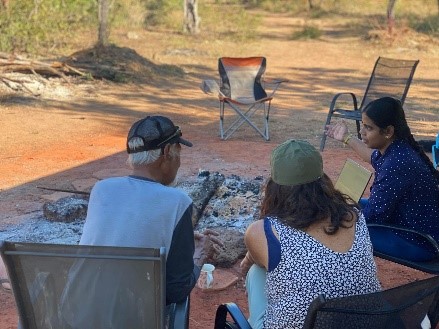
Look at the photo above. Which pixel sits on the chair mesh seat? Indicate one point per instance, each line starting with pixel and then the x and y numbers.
pixel 393 308
pixel 403 307
pixel 90 287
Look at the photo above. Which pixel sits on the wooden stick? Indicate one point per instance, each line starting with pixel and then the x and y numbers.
pixel 62 190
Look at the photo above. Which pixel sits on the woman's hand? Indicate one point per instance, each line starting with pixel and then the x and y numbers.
pixel 339 131
pixel 246 263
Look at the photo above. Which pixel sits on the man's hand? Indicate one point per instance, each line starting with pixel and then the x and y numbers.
pixel 206 246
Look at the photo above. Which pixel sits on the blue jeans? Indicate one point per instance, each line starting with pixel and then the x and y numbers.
pixel 388 242
pixel 257 301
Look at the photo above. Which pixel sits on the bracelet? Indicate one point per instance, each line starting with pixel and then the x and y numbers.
pixel 248 258
pixel 347 139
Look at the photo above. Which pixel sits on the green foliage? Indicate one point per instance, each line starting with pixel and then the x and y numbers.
pixel 276 6
pixel 428 25
pixel 28 28
pixel 128 13
pixel 236 22
pixel 53 24
pixel 158 11
pixel 318 13
pixel 229 22
pixel 308 32
pixel 344 7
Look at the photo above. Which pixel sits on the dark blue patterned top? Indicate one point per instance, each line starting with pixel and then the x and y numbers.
pixel 307 268
pixel 404 191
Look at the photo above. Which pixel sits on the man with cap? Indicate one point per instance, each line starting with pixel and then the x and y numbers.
pixel 311 240
pixel 142 210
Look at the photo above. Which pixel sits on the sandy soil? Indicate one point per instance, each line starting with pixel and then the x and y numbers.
pixel 73 131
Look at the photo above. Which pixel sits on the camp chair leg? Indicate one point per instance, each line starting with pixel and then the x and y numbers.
pixel 221 105
pixel 358 129
pixel 323 140
pixel 267 114
pixel 244 118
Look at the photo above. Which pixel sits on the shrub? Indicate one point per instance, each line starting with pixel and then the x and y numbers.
pixel 308 32
pixel 428 25
pixel 27 27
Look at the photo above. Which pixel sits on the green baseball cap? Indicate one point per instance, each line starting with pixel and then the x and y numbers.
pixel 296 162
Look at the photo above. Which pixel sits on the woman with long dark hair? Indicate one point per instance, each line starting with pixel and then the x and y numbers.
pixel 310 240
pixel 405 190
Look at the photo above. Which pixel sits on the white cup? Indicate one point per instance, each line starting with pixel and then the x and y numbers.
pixel 205 281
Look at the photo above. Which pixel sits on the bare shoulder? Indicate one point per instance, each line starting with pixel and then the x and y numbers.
pixel 255 229
pixel 256 243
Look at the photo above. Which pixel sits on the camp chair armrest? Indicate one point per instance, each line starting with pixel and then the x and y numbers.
pixel 274 81
pixel 426 237
pixel 273 84
pixel 210 86
pixel 236 314
pixel 336 97
pixel 313 308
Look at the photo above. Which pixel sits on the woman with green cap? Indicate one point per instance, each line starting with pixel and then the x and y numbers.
pixel 311 241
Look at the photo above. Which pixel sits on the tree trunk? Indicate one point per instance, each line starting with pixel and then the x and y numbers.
pixel 391 15
pixel 5 4
pixel 312 4
pixel 34 11
pixel 191 18
pixel 103 12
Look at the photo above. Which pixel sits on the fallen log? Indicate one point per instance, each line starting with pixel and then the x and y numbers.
pixel 12 63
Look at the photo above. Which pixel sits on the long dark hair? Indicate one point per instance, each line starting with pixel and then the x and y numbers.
pixel 300 206
pixel 388 111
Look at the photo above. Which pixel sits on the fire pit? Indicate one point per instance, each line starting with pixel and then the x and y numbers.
pixel 227 204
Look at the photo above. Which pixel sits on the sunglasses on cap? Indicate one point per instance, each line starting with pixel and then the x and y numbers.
pixel 176 134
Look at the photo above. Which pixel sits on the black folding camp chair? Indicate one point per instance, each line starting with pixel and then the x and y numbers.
pixel 413 305
pixel 242 88
pixel 431 266
pixel 435 152
pixel 390 77
pixel 90 287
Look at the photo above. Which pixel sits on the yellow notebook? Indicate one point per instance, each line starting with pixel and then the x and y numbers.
pixel 353 180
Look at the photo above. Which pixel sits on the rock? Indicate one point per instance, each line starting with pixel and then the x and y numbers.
pixel 133 35
pixel 68 209
pixel 234 247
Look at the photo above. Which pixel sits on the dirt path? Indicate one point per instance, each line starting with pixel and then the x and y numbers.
pixel 73 131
